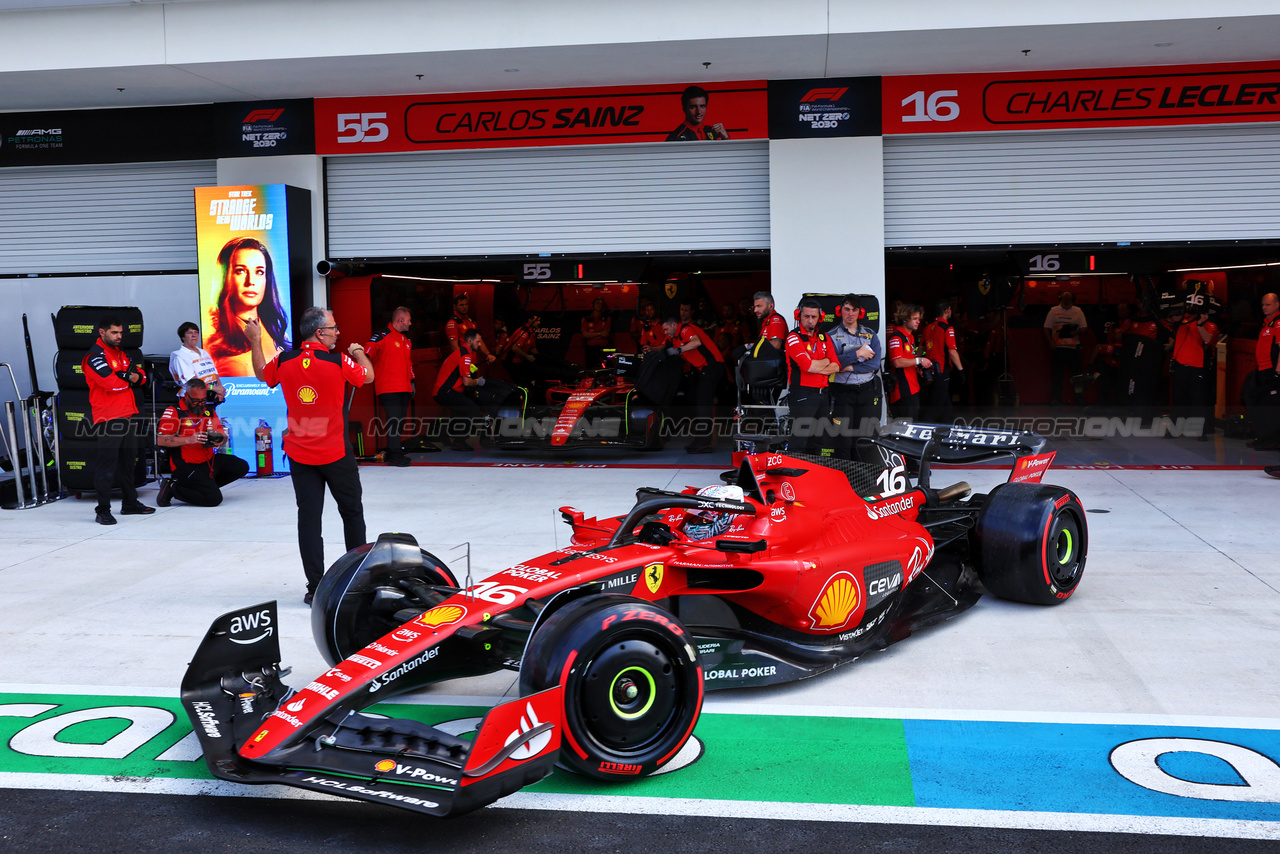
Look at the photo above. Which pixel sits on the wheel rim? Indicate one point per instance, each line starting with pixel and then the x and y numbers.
pixel 630 695
pixel 1065 550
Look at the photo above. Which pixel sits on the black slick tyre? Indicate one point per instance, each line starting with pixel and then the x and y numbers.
pixel 360 596
pixel 1032 541
pixel 632 685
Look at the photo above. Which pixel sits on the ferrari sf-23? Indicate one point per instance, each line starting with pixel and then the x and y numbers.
pixel 792 566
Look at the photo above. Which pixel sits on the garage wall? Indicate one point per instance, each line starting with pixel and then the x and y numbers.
pixel 826 206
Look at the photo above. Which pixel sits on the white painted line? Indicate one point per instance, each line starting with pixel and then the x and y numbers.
pixel 922 816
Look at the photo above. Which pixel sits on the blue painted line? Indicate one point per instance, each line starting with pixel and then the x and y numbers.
pixel 1059 768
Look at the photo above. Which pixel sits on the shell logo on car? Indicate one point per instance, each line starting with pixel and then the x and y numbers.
pixel 442 615
pixel 838 602
pixel 385 765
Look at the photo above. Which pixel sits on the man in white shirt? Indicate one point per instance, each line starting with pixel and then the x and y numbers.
pixel 1062 328
pixel 190 361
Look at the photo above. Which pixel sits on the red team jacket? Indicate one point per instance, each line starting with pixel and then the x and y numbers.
pixel 110 395
pixel 315 382
pixel 392 356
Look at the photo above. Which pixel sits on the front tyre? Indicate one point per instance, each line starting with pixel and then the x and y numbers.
pixel 372 590
pixel 632 685
pixel 1032 542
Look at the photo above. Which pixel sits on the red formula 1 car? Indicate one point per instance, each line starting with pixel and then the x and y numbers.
pixel 600 409
pixel 791 567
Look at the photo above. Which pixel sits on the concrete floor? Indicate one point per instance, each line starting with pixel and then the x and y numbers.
pixel 1178 613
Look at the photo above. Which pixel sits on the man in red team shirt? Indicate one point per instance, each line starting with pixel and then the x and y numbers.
pixel 391 354
pixel 695 346
pixel 940 347
pixel 314 381
pixel 773 326
pixel 811 360
pixel 457 325
pixel 904 400
pixel 112 377
pixel 1191 360
pixel 191 430
pixel 1262 395
pixel 456 374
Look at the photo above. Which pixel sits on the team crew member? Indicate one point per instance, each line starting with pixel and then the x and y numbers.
pixel 704 360
pixel 455 375
pixel 773 326
pixel 811 360
pixel 1262 395
pixel 1189 367
pixel 391 354
pixel 314 380
pixel 190 361
pixel 194 432
pixel 855 388
pixel 1062 327
pixel 112 376
pixel 455 329
pixel 904 401
pixel 652 335
pixel 940 347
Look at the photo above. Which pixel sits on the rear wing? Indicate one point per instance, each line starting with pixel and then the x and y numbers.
pixel 956 445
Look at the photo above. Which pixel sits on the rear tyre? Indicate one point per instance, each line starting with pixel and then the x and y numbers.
pixel 632 685
pixel 1032 542
pixel 363 597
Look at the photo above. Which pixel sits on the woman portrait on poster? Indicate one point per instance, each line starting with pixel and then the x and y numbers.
pixel 248 292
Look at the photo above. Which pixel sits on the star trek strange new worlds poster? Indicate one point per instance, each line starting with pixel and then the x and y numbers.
pixel 242 237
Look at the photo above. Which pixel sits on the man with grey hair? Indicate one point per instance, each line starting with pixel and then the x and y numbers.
pixel 314 380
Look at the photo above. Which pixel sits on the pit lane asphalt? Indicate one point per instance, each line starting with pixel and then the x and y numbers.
pixel 54 821
pixel 1176 564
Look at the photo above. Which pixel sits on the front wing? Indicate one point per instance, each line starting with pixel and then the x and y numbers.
pixel 231 686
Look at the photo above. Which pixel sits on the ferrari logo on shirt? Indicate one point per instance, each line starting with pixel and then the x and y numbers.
pixel 653 576
pixel 306 363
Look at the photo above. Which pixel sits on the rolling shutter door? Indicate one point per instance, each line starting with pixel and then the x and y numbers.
pixel 113 218
pixel 1086 186
pixel 675 196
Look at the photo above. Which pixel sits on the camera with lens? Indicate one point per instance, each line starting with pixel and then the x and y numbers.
pixel 212 438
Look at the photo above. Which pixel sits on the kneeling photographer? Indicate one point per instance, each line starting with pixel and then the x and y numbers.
pixel 192 433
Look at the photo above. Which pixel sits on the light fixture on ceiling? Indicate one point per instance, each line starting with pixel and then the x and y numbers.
pixel 1164 44
pixel 1027 52
pixel 511 70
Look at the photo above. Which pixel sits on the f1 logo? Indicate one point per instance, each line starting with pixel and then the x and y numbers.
pixel 823 95
pixel 262 116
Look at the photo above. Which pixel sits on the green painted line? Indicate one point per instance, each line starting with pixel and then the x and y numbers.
pixel 747 758
pixel 781 759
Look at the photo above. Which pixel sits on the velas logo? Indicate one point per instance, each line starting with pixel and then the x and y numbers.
pixel 442 615
pixel 823 95
pixel 307 394
pixel 530 747
pixel 837 603
pixel 262 116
